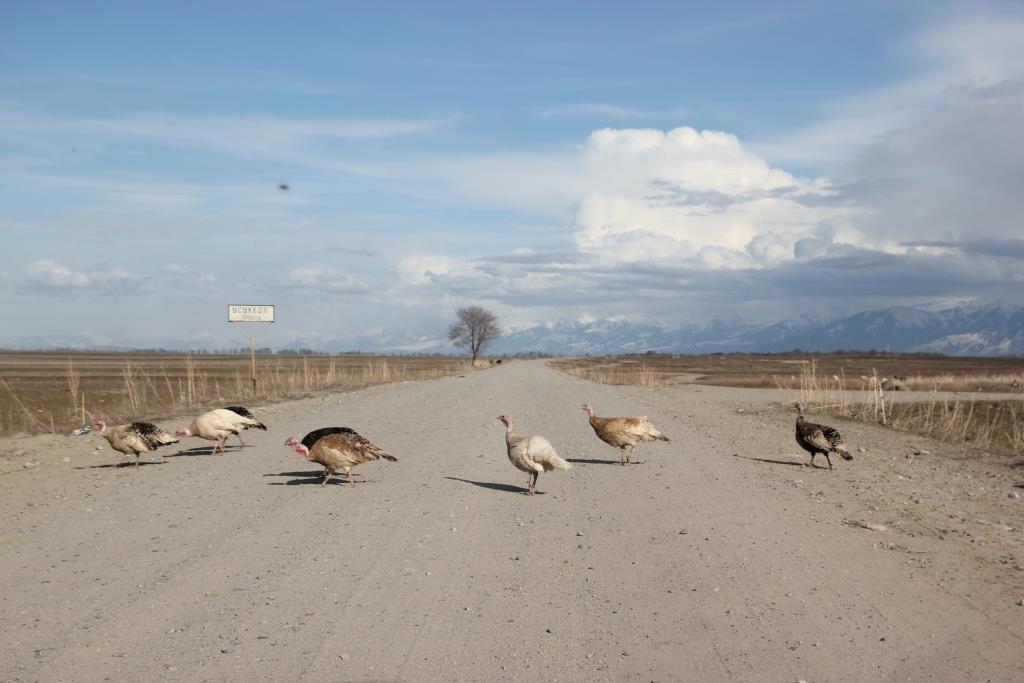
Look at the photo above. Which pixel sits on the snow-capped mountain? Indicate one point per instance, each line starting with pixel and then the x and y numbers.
pixel 980 328
pixel 985 329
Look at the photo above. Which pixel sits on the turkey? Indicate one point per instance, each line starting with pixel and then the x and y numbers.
pixel 623 431
pixel 815 438
pixel 135 438
pixel 217 425
pixel 244 412
pixel 341 450
pixel 309 439
pixel 532 455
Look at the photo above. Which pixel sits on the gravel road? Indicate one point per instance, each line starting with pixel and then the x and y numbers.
pixel 719 558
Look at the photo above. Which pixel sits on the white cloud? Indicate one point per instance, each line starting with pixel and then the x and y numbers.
pixel 971 46
pixel 318 278
pixel 590 110
pixel 645 194
pixel 207 281
pixel 175 268
pixel 54 276
pixel 953 173
pixel 293 140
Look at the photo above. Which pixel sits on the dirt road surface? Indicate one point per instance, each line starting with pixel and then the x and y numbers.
pixel 719 558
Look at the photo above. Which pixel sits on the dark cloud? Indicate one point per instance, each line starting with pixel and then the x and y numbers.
pixel 531 258
pixel 845 275
pixel 953 174
pixel 1003 248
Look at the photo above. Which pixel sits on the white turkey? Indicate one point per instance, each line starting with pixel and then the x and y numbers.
pixel 623 432
pixel 532 454
pixel 244 412
pixel 133 439
pixel 217 425
pixel 815 438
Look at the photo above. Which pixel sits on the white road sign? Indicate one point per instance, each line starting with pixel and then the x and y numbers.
pixel 238 313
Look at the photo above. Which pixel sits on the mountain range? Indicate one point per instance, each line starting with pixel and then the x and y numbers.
pixel 973 329
pixel 968 329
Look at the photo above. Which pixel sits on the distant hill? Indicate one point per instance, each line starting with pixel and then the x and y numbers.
pixel 989 329
pixel 972 329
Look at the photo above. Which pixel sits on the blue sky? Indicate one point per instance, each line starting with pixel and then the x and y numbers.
pixel 546 160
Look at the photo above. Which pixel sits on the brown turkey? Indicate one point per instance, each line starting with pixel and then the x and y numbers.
pixel 133 439
pixel 815 438
pixel 623 432
pixel 339 451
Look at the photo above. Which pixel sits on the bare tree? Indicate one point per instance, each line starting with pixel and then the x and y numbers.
pixel 475 329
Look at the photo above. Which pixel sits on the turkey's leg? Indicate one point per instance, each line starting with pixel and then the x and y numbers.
pixel 327 476
pixel 829 461
pixel 533 483
pixel 137 459
pixel 629 455
pixel 812 458
pixel 349 473
pixel 239 435
pixel 622 455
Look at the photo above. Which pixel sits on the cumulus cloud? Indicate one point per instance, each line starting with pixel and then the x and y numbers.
pixel 207 281
pixel 175 268
pixel 53 276
pixel 644 194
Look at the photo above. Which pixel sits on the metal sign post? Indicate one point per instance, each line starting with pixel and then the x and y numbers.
pixel 248 313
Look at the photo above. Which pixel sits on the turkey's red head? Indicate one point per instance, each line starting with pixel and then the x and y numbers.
pixel 181 432
pixel 99 425
pixel 588 409
pixel 302 450
pixel 291 442
pixel 505 420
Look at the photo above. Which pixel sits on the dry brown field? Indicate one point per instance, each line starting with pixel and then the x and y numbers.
pixel 948 398
pixel 922 372
pixel 58 391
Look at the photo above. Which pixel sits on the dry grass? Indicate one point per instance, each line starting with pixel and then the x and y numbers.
pixel 614 373
pixel 990 425
pixel 856 386
pixel 55 392
pixel 922 372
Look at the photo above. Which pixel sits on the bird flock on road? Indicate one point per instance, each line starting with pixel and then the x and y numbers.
pixel 342 448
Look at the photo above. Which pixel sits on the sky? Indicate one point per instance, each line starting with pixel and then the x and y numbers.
pixel 369 168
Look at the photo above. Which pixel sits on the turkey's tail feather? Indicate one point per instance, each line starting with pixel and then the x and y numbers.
pixel 559 464
pixel 659 436
pixel 380 452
